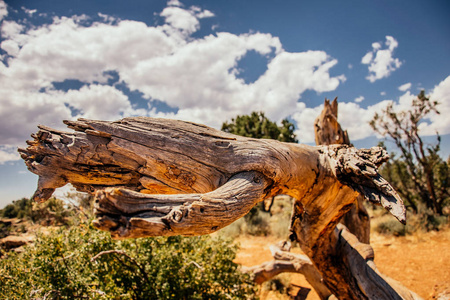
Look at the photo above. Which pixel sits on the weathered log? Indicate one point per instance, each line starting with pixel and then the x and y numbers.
pixel 358 260
pixel 212 178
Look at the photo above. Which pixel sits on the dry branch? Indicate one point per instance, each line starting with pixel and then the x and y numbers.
pixel 285 261
pixel 186 214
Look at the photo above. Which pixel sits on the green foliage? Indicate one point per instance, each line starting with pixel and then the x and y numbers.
pixel 257 221
pixel 396 171
pixel 53 211
pixel 419 174
pixel 17 209
pixel 280 283
pixel 257 125
pixel 393 227
pixel 424 220
pixel 81 262
pixel 280 220
pixel 263 223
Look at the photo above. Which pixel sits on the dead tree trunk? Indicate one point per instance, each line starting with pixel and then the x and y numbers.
pixel 328 131
pixel 163 177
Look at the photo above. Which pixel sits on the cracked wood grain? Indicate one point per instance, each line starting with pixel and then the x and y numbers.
pixel 166 177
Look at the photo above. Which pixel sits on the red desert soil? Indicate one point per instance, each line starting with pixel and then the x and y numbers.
pixel 421 262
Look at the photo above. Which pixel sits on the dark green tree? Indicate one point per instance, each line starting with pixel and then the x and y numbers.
pixel 419 173
pixel 257 125
pixel 21 209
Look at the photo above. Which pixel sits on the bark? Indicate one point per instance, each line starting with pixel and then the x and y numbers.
pixel 165 177
pixel 358 260
pixel 328 131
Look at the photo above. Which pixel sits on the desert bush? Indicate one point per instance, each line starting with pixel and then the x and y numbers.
pixel 21 209
pixel 424 220
pixel 393 227
pixel 53 211
pixel 261 223
pixel 278 287
pixel 233 230
pixel 419 175
pixel 281 216
pixel 81 262
pixel 257 222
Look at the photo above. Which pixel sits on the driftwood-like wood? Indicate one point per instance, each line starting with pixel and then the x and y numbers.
pixel 178 214
pixel 193 179
pixel 285 261
pixel 328 131
pixel 358 260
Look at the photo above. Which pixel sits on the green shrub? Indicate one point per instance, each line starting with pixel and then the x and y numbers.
pixel 17 209
pixel 425 220
pixel 257 222
pixel 263 223
pixel 281 216
pixel 53 211
pixel 81 262
pixel 394 227
pixel 281 284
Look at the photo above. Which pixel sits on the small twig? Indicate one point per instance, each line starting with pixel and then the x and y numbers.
pixel 67 257
pixel 195 264
pixel 50 292
pixel 121 252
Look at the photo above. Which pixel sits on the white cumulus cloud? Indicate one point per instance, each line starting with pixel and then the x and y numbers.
pixel 3 10
pixel 197 76
pixel 359 99
pixel 439 122
pixel 381 61
pixel 8 153
pixel 181 19
pixel 174 3
pixel 355 119
pixel 29 12
pixel 404 87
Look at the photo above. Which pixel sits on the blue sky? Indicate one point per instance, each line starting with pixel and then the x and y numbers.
pixel 207 61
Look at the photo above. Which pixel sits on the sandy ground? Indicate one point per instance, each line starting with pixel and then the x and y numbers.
pixel 420 262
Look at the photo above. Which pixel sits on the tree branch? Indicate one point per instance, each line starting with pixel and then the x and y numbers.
pixel 128 214
pixel 285 261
